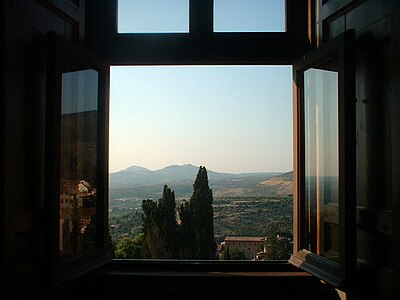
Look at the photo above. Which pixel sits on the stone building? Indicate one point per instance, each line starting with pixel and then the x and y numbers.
pixel 248 245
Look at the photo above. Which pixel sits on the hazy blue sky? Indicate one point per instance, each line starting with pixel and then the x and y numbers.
pixel 230 119
pixel 143 16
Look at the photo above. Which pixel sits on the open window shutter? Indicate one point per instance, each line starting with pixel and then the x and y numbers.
pixel 325 147
pixel 76 206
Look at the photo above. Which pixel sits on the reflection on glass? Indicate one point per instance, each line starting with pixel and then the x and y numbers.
pixel 321 161
pixel 153 16
pixel 249 16
pixel 78 162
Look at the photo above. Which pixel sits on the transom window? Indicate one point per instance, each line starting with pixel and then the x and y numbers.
pixel 172 16
pixel 153 16
pixel 249 15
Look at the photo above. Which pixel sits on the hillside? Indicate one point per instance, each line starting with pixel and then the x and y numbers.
pixel 282 184
pixel 244 204
pixel 139 182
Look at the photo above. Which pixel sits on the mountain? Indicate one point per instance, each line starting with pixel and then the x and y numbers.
pixel 244 204
pixel 139 182
pixel 136 176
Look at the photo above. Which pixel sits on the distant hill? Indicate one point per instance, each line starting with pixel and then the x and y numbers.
pixel 138 176
pixel 140 182
pixel 244 204
pixel 282 184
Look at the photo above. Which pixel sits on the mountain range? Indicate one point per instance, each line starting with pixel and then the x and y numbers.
pixel 139 176
pixel 137 181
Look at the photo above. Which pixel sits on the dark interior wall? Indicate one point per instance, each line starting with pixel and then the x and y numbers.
pixel 26 23
pixel 23 107
pixel 377 90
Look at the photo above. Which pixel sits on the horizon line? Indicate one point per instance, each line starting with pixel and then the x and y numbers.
pixel 190 164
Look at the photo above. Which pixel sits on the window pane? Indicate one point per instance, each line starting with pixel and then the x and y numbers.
pixel 249 15
pixel 78 162
pixel 153 16
pixel 321 161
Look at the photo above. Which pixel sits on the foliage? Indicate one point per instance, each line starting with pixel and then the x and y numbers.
pixel 124 223
pixel 186 231
pixel 267 215
pixel 232 254
pixel 278 242
pixel 197 220
pixel 159 226
pixel 251 216
pixel 130 248
pixel 193 236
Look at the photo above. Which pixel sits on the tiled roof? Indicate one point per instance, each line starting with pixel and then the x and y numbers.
pixel 244 239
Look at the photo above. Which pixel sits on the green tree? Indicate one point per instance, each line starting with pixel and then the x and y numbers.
pixel 232 254
pixel 225 254
pixel 278 242
pixel 199 217
pixel 193 238
pixel 130 248
pixel 159 226
pixel 168 224
pixel 186 232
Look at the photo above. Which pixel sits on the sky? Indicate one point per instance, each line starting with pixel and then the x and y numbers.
pixel 145 16
pixel 228 118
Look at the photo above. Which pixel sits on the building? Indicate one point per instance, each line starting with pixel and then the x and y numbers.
pixel 249 246
pixel 360 39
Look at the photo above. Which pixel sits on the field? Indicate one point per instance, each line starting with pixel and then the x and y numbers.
pixel 244 204
pixel 233 216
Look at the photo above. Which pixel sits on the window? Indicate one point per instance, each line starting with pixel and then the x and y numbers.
pixel 249 16
pixel 153 16
pixel 166 121
pixel 78 161
pixel 325 174
pixel 324 233
pixel 283 23
pixel 76 130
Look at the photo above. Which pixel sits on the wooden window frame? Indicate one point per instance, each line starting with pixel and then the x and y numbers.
pixel 64 56
pixel 182 49
pixel 189 48
pixel 338 274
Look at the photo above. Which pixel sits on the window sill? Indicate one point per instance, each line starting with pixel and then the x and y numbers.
pixel 191 268
pixel 155 279
pixel 209 278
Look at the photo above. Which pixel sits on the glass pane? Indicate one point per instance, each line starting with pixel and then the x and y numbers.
pixel 78 162
pixel 153 16
pixel 249 15
pixel 321 161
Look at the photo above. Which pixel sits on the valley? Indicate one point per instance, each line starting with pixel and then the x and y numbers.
pixel 247 204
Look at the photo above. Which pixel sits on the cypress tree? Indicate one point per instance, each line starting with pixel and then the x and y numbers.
pixel 150 229
pixel 194 238
pixel 159 226
pixel 186 232
pixel 168 224
pixel 200 205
